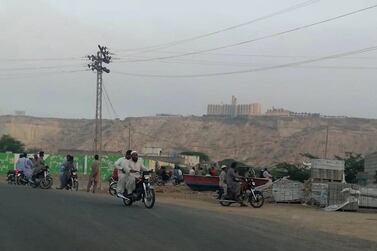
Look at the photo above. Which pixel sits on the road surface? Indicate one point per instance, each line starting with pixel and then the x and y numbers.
pixel 35 219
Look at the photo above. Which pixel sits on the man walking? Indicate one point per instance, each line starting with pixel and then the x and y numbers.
pixel 94 174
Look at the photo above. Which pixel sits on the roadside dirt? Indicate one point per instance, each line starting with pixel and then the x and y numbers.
pixel 362 224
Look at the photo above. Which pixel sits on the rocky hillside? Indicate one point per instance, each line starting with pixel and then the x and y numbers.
pixel 260 140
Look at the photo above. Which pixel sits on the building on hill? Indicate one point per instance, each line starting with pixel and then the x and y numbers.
pixel 281 112
pixel 234 109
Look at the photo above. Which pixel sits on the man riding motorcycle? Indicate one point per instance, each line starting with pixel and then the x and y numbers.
pixel 133 171
pixel 122 165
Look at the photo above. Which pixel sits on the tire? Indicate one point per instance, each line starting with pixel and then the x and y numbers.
pixel 76 185
pixel 258 201
pixel 127 203
pixel 149 203
pixel 46 183
pixel 113 188
pixel 224 203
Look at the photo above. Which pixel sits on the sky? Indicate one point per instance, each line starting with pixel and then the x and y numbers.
pixel 44 44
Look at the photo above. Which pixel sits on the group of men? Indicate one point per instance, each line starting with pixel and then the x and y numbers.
pixel 30 166
pixel 130 168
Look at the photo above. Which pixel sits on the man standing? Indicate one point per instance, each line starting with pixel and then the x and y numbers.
pixel 222 181
pixel 134 169
pixel 122 164
pixel 93 177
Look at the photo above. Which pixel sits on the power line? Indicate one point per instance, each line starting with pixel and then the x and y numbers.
pixel 255 69
pixel 39 67
pixel 170 44
pixel 45 74
pixel 111 104
pixel 259 38
pixel 40 59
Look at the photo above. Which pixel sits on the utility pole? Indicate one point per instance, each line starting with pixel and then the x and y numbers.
pixel 96 65
pixel 129 136
pixel 327 140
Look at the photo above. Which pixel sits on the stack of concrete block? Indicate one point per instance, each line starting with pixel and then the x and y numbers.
pixel 319 194
pixel 327 170
pixel 368 197
pixel 336 196
pixel 371 168
pixel 287 191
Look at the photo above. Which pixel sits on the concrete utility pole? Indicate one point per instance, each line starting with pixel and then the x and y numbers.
pixel 96 65
pixel 327 140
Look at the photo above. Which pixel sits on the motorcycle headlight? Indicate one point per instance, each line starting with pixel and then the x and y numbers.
pixel 253 183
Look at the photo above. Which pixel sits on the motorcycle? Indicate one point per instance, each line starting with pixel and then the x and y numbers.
pixel 42 179
pixel 113 183
pixel 11 177
pixel 73 182
pixel 249 194
pixel 144 191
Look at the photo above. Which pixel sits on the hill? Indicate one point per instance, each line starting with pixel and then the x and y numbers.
pixel 258 140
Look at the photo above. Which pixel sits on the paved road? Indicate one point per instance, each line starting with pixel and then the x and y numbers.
pixel 34 219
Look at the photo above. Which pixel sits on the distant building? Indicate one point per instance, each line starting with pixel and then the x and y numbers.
pixel 151 150
pixel 234 110
pixel 278 112
pixel 286 113
pixel 20 113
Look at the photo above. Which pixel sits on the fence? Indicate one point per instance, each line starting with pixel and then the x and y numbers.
pixel 82 163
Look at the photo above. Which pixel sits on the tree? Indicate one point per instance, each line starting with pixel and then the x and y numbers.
pixel 353 163
pixel 293 171
pixel 10 144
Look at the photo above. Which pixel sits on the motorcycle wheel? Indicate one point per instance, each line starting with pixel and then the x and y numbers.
pixel 127 203
pixel 46 183
pixel 258 201
pixel 224 203
pixel 149 199
pixel 76 185
pixel 113 188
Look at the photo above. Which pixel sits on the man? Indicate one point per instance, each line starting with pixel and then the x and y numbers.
pixel 20 164
pixel 28 168
pixel 222 181
pixel 68 167
pixel 266 174
pixel 122 164
pixel 232 181
pixel 213 171
pixel 40 163
pixel 134 168
pixel 192 171
pixel 93 177
pixel 61 172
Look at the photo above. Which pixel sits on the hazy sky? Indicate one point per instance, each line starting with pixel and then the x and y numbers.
pixel 43 41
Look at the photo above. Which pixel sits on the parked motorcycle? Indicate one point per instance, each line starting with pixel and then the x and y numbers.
pixel 73 182
pixel 42 179
pixel 144 191
pixel 249 194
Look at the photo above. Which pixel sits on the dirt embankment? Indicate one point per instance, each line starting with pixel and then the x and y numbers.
pixel 258 140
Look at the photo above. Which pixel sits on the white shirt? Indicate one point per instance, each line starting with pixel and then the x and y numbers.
pixel 135 166
pixel 192 172
pixel 121 163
